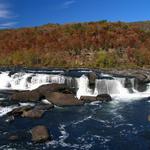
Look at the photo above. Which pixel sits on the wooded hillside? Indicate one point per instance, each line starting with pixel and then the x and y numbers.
pixel 93 44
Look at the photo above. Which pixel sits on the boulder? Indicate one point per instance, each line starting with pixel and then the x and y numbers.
pixel 33 113
pixel 104 98
pixel 40 134
pixel 19 111
pixel 30 111
pixel 26 96
pixel 88 99
pixel 127 83
pixel 62 100
pixel 92 76
pixel 37 111
pixel 140 85
pixel 55 87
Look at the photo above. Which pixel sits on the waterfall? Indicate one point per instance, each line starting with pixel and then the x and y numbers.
pixel 114 86
pixel 110 86
pixel 28 81
pixel 5 80
pixel 83 87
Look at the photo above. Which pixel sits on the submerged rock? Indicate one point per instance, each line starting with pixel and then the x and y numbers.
pixel 13 137
pixel 18 136
pixel 40 134
pixel 62 100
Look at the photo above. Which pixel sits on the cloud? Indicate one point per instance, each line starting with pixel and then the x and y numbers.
pixel 4 11
pixel 7 25
pixel 68 3
pixel 6 16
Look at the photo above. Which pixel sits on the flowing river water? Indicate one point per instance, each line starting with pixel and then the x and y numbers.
pixel 121 124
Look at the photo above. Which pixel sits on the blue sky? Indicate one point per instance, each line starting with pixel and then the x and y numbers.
pixel 25 13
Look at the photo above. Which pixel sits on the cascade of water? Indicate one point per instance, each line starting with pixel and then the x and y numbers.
pixel 24 81
pixel 83 87
pixel 5 80
pixel 104 86
pixel 121 80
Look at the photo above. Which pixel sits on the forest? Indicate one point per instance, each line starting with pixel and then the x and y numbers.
pixel 100 44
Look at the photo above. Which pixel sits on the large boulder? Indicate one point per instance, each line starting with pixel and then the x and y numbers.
pixel 62 100
pixel 55 87
pixel 40 134
pixel 104 98
pixel 26 96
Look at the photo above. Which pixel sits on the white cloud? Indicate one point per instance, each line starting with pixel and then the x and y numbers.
pixel 4 11
pixel 68 3
pixel 6 16
pixel 8 24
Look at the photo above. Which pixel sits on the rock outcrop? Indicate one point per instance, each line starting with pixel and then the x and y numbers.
pixel 62 100
pixel 40 134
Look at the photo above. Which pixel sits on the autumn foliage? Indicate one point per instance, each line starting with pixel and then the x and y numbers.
pixel 94 44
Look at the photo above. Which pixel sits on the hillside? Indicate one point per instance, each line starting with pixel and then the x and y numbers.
pixel 93 44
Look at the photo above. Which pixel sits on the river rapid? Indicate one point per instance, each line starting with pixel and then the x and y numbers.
pixel 123 123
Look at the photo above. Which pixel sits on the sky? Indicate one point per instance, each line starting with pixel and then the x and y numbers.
pixel 26 13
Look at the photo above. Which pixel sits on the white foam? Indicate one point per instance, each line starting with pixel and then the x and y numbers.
pixel 83 89
pixel 5 80
pixel 5 110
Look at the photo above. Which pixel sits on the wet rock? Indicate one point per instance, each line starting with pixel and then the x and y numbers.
pixel 30 111
pixel 62 100
pixel 13 137
pixel 40 134
pixel 51 88
pixel 18 136
pixel 92 77
pixel 19 111
pixel 128 83
pixel 37 112
pixel 26 96
pixel 44 106
pixel 104 98
pixel 33 113
pixel 140 85
pixel 88 99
